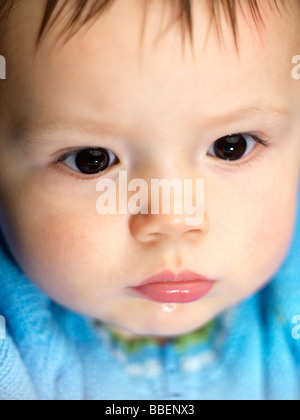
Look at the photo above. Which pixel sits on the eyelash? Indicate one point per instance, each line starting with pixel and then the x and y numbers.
pixel 257 139
pixel 234 166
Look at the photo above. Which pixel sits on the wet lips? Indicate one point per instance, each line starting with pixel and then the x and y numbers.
pixel 167 287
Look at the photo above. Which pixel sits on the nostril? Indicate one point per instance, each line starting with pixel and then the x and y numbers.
pixel 194 234
pixel 155 235
pixel 149 237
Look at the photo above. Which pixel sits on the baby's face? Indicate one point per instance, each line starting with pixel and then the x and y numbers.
pixel 159 113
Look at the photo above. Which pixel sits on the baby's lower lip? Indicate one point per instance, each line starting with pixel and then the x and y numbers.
pixel 175 292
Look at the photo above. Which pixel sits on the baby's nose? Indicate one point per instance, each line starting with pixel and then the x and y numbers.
pixel 153 227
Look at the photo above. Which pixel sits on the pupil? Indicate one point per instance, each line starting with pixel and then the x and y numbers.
pixel 91 161
pixel 230 147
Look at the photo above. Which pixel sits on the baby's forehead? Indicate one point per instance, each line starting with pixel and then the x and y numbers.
pixel 69 16
pixel 100 65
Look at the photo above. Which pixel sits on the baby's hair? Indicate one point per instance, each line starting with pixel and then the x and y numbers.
pixel 85 10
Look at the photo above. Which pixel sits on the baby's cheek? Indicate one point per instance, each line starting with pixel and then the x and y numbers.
pixel 250 237
pixel 66 250
pixel 77 257
pixel 269 233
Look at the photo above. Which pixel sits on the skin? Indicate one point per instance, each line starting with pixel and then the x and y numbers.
pixel 159 111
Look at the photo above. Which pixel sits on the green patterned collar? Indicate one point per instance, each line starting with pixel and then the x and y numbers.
pixel 133 345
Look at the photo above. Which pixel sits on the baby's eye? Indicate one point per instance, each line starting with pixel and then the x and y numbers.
pixel 90 161
pixel 234 147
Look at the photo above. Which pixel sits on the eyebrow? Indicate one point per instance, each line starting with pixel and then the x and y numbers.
pixel 269 111
pixel 104 127
pixel 26 132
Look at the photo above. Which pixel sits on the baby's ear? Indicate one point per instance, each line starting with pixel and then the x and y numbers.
pixel 299 152
pixel 299 130
pixel 298 125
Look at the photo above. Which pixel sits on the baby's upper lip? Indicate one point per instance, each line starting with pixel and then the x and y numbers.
pixel 169 276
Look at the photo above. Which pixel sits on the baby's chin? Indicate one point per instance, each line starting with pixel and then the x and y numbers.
pixel 167 321
pixel 130 336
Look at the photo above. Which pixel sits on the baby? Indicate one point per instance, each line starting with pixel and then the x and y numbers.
pixel 143 305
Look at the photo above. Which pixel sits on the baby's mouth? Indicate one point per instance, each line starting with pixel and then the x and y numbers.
pixel 167 287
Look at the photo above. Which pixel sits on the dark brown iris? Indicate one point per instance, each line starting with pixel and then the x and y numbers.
pixel 92 161
pixel 230 147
